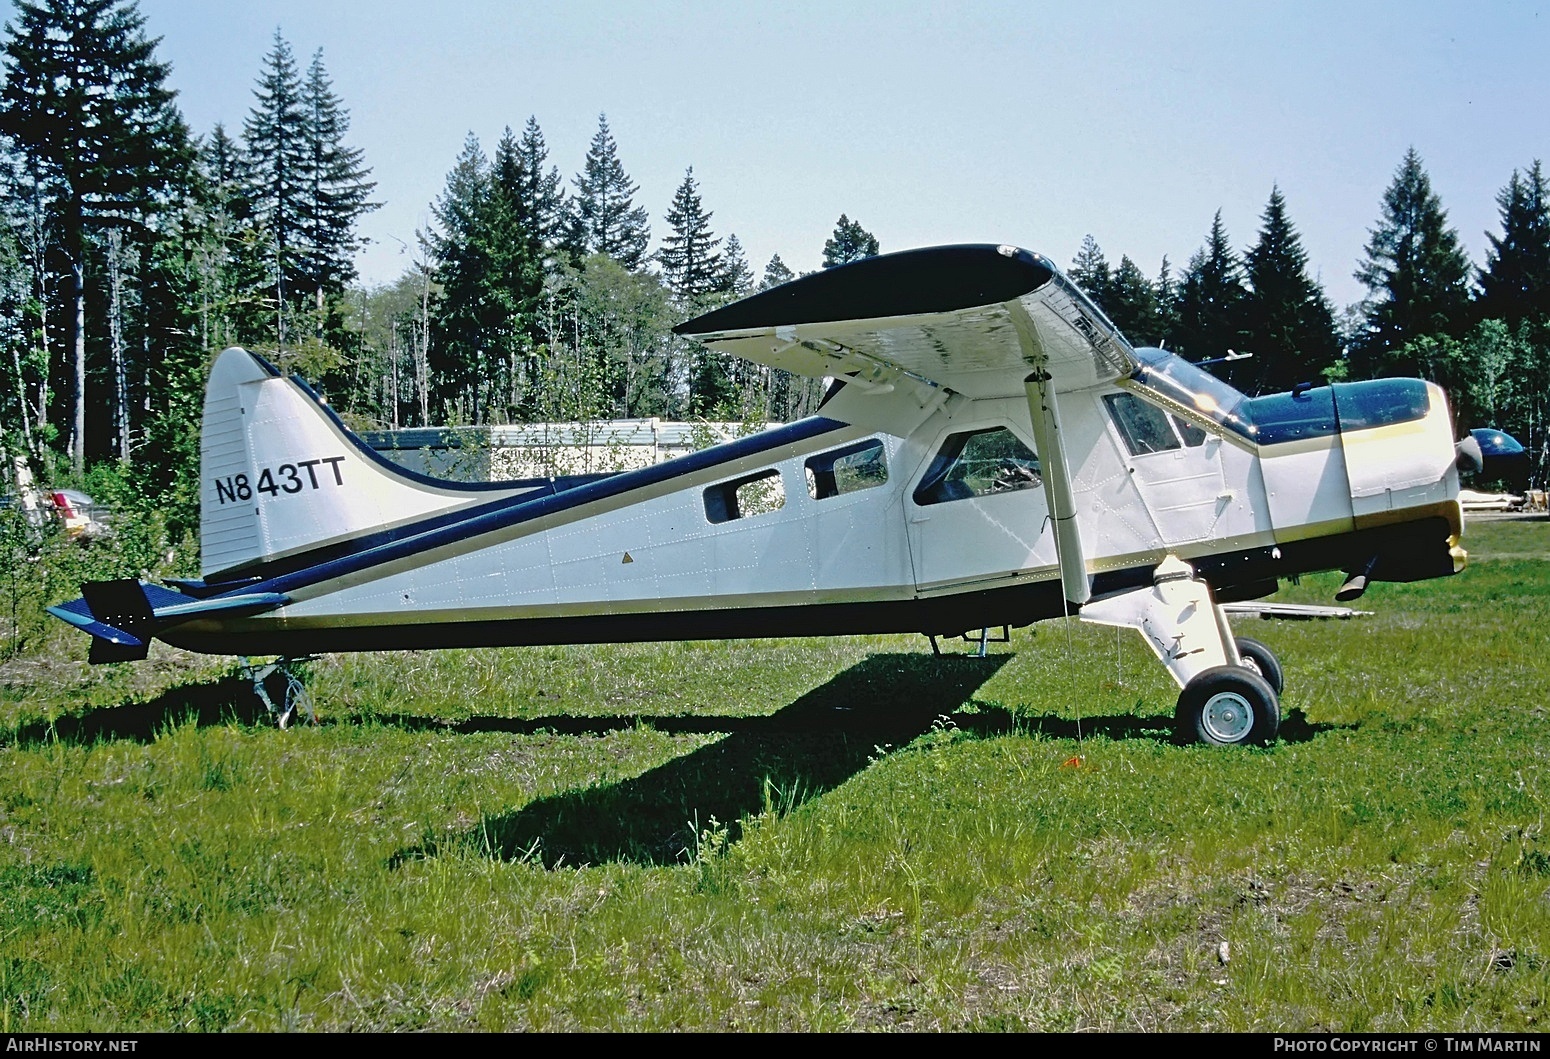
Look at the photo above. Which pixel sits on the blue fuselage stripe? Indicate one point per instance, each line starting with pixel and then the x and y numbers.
pixel 443 530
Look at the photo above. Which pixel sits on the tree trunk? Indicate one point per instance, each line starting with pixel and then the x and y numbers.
pixel 422 357
pixel 21 397
pixel 78 270
pixel 116 340
pixel 38 251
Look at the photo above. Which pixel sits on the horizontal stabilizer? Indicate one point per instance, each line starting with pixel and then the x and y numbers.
pixel 123 616
pixel 118 617
pixel 121 604
pixel 78 614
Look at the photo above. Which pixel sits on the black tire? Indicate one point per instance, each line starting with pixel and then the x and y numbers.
pixel 1228 706
pixel 1259 658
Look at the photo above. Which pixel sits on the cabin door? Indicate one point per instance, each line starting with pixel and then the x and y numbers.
pixel 1177 468
pixel 978 513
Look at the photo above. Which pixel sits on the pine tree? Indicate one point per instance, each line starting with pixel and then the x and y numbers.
pixel 850 242
pixel 1415 272
pixel 464 305
pixel 736 277
pixel 1515 284
pixel 1166 291
pixel 220 232
pixel 1210 299
pixel 86 101
pixel 275 137
pixel 510 231
pixel 1289 323
pixel 1090 271
pixel 603 216
pixel 776 273
pixel 544 196
pixel 335 190
pixel 1132 304
pixel 691 265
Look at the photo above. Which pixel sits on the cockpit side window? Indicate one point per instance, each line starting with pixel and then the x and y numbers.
pixel 1144 426
pixel 1193 436
pixel 979 463
pixel 1187 386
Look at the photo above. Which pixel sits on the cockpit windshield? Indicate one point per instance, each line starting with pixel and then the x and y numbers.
pixel 1190 387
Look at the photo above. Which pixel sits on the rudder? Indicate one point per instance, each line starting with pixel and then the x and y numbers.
pixel 280 474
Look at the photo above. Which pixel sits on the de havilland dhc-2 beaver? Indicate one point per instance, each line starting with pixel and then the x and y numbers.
pixel 991 452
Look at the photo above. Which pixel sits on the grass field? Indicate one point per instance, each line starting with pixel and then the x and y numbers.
pixel 798 835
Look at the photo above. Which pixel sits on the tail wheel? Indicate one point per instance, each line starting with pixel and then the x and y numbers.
pixel 1228 706
pixel 1260 659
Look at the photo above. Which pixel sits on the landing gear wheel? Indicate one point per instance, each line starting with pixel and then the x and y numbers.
pixel 1228 706
pixel 282 691
pixel 1260 659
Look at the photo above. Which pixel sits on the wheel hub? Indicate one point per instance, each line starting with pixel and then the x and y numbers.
pixel 1228 717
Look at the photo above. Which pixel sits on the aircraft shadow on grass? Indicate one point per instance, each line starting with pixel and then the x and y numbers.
pixel 798 753
pixel 210 702
pixel 789 757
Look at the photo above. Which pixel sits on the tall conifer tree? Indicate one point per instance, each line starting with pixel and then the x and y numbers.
pixel 86 100
pixel 1289 323
pixel 691 264
pixel 776 272
pixel 603 216
pixel 275 137
pixel 1515 284
pixel 850 242
pixel 464 305
pixel 1210 298
pixel 223 227
pixel 1090 271
pixel 1415 272
pixel 511 231
pixel 335 189
pixel 736 277
pixel 544 195
pixel 1132 304
pixel 1166 291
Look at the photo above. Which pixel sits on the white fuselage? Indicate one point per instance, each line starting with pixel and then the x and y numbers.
pixel 775 535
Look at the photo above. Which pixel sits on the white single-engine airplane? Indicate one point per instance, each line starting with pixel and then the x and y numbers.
pixel 992 452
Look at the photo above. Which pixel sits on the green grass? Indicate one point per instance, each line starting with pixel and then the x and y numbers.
pixel 812 835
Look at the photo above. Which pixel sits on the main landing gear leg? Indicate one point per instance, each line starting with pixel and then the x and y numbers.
pixel 278 681
pixel 1225 698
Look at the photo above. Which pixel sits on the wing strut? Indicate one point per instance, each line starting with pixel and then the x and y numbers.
pixel 1045 414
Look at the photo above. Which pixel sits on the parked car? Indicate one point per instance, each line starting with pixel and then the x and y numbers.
pixel 75 512
pixel 79 513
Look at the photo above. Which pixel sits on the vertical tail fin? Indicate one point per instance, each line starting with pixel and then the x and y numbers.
pixel 281 475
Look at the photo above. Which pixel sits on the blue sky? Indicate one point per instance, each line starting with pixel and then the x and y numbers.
pixel 1030 123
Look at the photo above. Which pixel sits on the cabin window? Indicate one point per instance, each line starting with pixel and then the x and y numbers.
pixel 848 470
pixel 756 494
pixel 1193 436
pixel 1143 426
pixel 978 463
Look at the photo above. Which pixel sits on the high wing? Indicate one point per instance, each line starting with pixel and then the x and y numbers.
pixel 974 319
